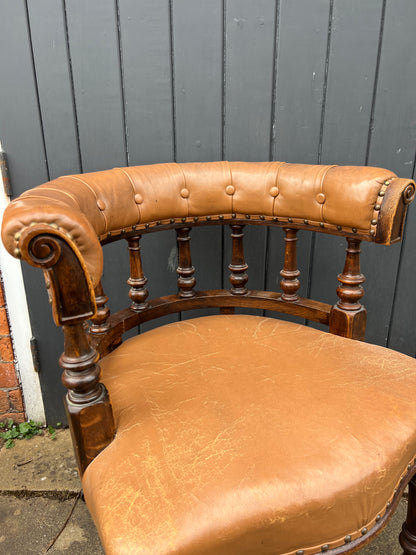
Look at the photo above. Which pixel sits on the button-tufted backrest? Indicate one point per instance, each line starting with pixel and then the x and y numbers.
pixel 365 202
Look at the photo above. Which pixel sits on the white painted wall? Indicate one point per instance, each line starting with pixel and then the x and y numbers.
pixel 20 327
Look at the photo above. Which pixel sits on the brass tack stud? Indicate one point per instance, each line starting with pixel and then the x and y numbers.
pixel 354 230
pixel 364 531
pixel 133 227
pixel 275 219
pixel 290 220
pixel 109 234
pixel 325 547
pixel 388 505
pixel 347 539
pixel 123 231
pixel 17 253
pixel 388 181
pixel 378 518
pixel 55 226
pixel 306 222
pixel 158 222
pixel 322 224
pixel 381 193
pixel 17 236
pixel 372 232
pixel 183 219
pixel 261 217
pixel 339 228
pixel 233 216
pixel 373 222
pixel 71 238
pixel 196 218
pixel 377 207
pixel 221 217
pixel 248 216
pixel 208 218
pixel 300 552
pixel 230 190
pixel 409 466
pixel 147 226
pixel 172 220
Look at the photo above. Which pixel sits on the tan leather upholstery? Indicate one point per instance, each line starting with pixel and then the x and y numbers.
pixel 85 206
pixel 244 435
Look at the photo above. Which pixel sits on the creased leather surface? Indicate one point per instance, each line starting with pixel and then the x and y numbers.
pixel 247 435
pixel 95 204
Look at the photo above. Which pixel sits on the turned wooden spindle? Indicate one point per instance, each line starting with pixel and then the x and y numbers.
pixel 137 281
pixel 290 273
pixel 85 395
pixel 238 266
pixel 348 317
pixel 407 536
pixel 185 270
pixel 100 322
pixel 350 291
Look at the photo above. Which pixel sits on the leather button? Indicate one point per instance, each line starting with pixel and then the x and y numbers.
pixel 274 191
pixel 320 197
pixel 138 199
pixel 101 204
pixel 230 190
pixel 184 193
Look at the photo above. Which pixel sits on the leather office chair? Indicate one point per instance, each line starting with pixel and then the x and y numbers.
pixel 230 433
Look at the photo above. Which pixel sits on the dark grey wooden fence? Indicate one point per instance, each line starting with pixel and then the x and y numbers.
pixel 91 84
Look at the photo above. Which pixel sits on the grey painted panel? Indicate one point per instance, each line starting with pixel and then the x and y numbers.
pixel 301 54
pixel 352 67
pixel 197 58
pixel 249 65
pixel 47 24
pixel 94 50
pixel 145 47
pixel 197 63
pixel 20 126
pixel 22 139
pixel 393 144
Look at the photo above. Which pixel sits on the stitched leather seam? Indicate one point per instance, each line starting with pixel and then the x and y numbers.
pixel 134 191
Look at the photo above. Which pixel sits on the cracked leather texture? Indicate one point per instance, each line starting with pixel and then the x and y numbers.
pixel 245 435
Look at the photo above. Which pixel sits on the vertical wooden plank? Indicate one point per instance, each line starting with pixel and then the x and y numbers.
pixel 300 79
pixel 50 53
pixel 22 138
pixel 197 39
pixel 352 65
pixel 95 55
pixel 197 59
pixel 393 144
pixel 249 71
pixel 146 69
pixel 301 54
pixel 146 64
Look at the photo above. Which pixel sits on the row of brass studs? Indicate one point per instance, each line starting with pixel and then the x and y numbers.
pixel 274 219
pixel 364 530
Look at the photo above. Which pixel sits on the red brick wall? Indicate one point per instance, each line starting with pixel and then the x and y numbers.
pixel 11 401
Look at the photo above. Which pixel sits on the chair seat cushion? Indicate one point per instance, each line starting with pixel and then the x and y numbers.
pixel 247 435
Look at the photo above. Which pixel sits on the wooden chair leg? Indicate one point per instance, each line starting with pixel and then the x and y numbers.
pixel 407 536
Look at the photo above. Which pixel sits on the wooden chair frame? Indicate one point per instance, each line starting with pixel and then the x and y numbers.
pixel 91 332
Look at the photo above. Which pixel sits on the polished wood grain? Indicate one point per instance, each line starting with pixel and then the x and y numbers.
pixel 238 266
pixel 185 270
pixel 290 273
pixel 137 280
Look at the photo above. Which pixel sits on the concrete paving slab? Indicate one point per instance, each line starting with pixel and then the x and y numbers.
pixel 28 526
pixel 40 464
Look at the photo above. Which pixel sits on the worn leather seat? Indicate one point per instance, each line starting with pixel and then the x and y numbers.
pixel 199 465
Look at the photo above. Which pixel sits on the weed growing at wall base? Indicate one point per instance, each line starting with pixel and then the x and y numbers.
pixel 11 431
